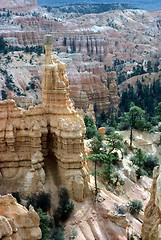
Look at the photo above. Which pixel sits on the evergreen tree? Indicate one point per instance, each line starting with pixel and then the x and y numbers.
pixel 139 158
pixel 44 224
pixel 91 130
pixel 96 144
pixel 57 234
pixel 149 67
pixel 4 95
pixel 3 44
pixel 64 209
pixel 144 96
pixel 112 121
pixel 135 113
pixel 158 109
pixel 106 155
pixel 156 69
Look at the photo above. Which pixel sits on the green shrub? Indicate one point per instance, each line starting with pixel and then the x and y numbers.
pixel 145 163
pixel 101 119
pixel 122 182
pixel 57 234
pixel 125 151
pixel 140 172
pixel 123 124
pixel 73 233
pixel 4 94
pixel 44 224
pixel 139 158
pixel 122 209
pixel 42 201
pixel 31 200
pixel 109 130
pixel 132 237
pixel 91 130
pixel 112 121
pixel 96 144
pixel 151 162
pixel 3 44
pixel 135 206
pixel 17 196
pixel 65 207
pixel 117 179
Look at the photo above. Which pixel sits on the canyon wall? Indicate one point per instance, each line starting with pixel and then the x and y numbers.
pixel 53 130
pixel 93 42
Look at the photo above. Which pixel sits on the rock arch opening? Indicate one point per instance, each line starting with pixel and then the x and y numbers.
pixel 50 161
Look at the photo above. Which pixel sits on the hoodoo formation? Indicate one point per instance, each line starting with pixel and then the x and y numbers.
pixel 50 133
pixel 111 59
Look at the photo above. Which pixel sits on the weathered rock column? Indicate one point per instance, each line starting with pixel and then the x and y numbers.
pixel 64 123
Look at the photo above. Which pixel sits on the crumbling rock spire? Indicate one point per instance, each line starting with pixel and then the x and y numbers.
pixel 48 42
pixel 55 82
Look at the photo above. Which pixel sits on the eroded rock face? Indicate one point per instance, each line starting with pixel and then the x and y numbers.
pixel 53 130
pixel 16 222
pixel 86 87
pixel 151 229
pixel 93 37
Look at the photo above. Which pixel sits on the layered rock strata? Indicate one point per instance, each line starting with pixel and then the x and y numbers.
pixel 16 222
pixel 53 130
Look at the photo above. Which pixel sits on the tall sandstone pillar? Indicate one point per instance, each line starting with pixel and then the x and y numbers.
pixel 65 125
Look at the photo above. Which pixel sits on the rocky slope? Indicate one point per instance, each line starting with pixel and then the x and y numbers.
pixel 16 222
pixel 148 79
pixel 102 219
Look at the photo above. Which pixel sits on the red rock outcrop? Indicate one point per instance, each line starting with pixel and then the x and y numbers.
pixel 16 222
